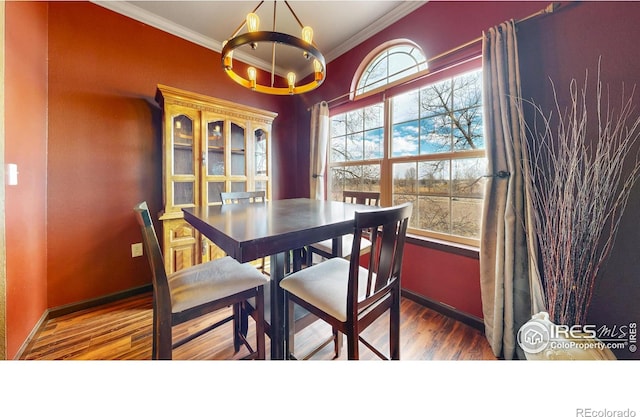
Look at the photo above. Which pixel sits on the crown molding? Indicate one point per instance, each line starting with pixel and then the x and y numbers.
pixel 398 13
pixel 134 12
pixel 165 25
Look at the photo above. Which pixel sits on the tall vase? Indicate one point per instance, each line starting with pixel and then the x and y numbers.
pixel 541 339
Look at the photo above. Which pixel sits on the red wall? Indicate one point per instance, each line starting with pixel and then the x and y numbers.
pixel 25 145
pixel 105 140
pixel 448 278
pixel 85 132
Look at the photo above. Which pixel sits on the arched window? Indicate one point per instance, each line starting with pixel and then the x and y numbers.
pixel 388 64
pixel 422 142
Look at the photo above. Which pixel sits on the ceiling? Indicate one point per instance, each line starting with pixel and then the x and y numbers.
pixel 338 25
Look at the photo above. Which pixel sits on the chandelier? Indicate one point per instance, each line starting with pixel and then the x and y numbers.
pixel 253 37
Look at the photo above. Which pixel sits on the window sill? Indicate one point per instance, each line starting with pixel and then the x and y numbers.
pixel 444 246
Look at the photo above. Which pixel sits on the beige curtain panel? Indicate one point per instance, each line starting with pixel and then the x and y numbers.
pixel 510 289
pixel 319 149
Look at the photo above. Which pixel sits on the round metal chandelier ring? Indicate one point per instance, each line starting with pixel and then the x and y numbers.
pixel 275 37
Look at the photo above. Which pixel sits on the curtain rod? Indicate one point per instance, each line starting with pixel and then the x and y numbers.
pixel 551 7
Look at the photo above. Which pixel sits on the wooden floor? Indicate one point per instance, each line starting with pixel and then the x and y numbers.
pixel 122 330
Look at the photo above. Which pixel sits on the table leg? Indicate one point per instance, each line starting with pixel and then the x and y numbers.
pixel 277 306
pixel 336 247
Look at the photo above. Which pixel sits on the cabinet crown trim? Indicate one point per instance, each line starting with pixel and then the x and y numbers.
pixel 171 95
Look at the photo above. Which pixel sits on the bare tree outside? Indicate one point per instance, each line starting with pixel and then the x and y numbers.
pixel 441 121
pixel 436 151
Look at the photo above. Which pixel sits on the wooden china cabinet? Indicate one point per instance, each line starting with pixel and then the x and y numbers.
pixel 209 146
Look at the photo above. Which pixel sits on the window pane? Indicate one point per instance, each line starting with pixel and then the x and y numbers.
pixel 436 99
pixel 468 90
pixel 433 214
pixel 401 65
pixel 468 177
pixel 370 178
pixel 434 177
pixel 339 149
pixel 338 125
pixel 435 135
pixel 405 179
pixel 466 217
pixel 337 183
pixel 468 134
pixel 354 178
pixel 405 139
pixel 375 75
pixel 373 144
pixel 408 198
pixel 355 121
pixel 406 107
pixel 374 116
pixel 355 145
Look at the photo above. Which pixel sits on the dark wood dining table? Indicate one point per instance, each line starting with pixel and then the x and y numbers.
pixel 252 231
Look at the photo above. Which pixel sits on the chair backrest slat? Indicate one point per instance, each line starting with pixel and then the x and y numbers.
pixel 243 197
pixel 389 229
pixel 370 198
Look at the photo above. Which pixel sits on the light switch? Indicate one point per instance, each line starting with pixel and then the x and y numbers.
pixel 12 174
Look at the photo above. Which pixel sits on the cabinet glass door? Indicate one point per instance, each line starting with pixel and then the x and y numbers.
pixel 215 148
pixel 215 168
pixel 238 163
pixel 183 160
pixel 261 167
pixel 260 155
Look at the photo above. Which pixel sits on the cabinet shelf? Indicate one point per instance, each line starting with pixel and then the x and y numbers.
pixel 179 145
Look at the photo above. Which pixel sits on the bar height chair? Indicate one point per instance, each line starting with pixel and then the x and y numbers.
pixel 199 290
pixel 350 297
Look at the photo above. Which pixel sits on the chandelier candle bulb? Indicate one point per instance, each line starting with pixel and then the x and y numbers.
pixel 253 22
pixel 291 80
pixel 317 69
pixel 307 36
pixel 252 77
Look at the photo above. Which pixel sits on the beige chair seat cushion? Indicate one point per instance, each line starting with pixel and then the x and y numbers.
pixel 325 286
pixel 347 243
pixel 210 281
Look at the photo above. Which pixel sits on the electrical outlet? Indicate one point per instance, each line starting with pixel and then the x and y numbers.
pixel 136 250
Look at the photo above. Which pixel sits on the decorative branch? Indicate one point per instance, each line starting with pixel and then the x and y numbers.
pixel 579 185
